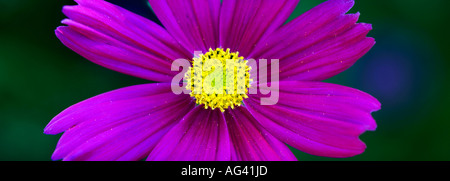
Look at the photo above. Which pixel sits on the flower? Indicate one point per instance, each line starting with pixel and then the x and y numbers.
pixel 150 121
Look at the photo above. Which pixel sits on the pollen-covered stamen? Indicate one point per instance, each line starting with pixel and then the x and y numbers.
pixel 219 79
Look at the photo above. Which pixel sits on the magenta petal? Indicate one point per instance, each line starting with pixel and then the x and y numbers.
pixel 115 38
pixel 251 141
pixel 318 118
pixel 334 57
pixel 318 44
pixel 194 23
pixel 120 125
pixel 202 135
pixel 245 23
pixel 77 113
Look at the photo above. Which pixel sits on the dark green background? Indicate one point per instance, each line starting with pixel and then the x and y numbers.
pixel 406 71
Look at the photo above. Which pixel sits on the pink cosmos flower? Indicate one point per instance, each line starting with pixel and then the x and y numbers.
pixel 150 121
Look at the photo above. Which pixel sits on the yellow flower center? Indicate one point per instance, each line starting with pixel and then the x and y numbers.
pixel 218 79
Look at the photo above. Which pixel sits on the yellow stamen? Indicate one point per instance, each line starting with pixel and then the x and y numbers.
pixel 219 79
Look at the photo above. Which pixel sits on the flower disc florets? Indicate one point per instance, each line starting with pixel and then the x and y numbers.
pixel 219 79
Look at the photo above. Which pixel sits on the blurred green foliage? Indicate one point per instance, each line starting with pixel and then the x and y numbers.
pixel 39 77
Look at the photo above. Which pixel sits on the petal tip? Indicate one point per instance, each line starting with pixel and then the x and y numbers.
pixel 349 2
pixel 371 126
pixel 56 156
pixel 59 31
pixel 368 26
pixel 48 130
pixel 346 5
